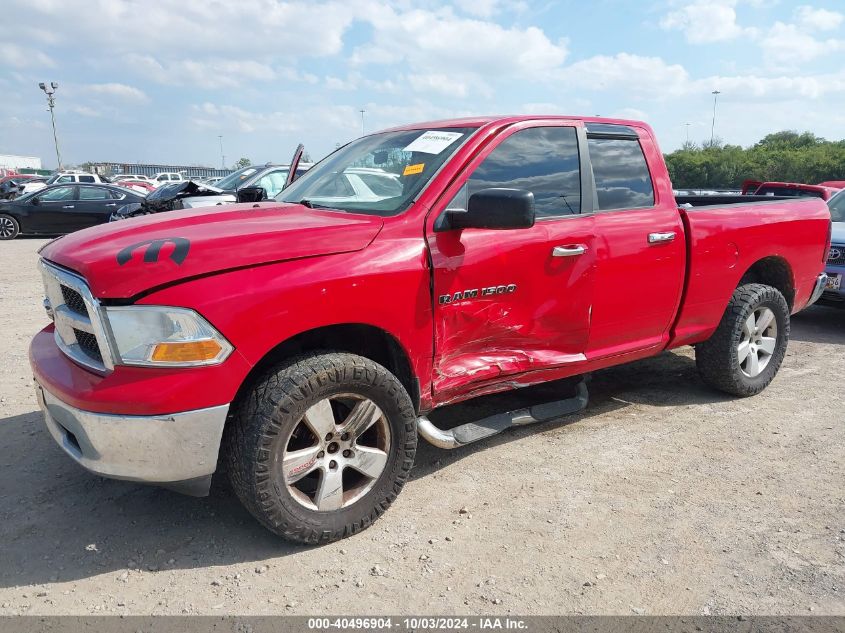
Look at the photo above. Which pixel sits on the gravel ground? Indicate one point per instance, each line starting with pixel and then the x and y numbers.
pixel 663 497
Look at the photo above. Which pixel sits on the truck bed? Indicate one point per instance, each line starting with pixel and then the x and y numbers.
pixel 724 200
pixel 724 241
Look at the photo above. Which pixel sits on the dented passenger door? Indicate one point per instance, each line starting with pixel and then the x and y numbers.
pixel 507 302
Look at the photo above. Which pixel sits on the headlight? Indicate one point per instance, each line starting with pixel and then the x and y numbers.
pixel 163 336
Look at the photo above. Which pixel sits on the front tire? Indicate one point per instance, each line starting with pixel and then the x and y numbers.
pixel 321 446
pixel 747 349
pixel 9 227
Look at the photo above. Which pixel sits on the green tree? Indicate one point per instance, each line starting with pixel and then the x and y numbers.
pixel 787 156
pixel 242 162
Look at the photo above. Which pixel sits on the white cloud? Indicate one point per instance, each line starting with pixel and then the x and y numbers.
pixel 706 21
pixel 330 118
pixel 818 19
pixel 120 91
pixel 488 8
pixel 208 73
pixel 629 113
pixel 85 111
pixel 247 28
pixel 431 41
pixel 788 44
pixel 438 83
pixel 23 57
pixel 750 89
pixel 635 74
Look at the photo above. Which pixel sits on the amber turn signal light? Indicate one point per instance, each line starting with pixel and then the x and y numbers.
pixel 185 352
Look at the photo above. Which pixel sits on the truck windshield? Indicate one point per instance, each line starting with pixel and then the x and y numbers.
pixel 837 207
pixel 379 174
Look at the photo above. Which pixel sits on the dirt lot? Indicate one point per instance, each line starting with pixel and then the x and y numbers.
pixel 663 497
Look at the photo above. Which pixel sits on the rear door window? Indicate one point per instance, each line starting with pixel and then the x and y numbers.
pixel 86 179
pixel 94 193
pixel 621 174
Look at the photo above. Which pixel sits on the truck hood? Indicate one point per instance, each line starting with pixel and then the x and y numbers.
pixel 123 259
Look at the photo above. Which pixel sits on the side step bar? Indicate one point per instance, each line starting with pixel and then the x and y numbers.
pixel 489 426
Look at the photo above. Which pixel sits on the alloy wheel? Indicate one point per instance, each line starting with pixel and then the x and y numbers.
pixel 7 227
pixel 336 452
pixel 758 342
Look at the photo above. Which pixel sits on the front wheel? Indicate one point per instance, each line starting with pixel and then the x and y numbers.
pixel 9 227
pixel 747 349
pixel 322 446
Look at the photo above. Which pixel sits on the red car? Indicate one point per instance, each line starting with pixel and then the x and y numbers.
pixel 788 189
pixel 137 185
pixel 308 341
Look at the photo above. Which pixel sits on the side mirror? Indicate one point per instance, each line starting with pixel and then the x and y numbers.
pixel 251 194
pixel 495 208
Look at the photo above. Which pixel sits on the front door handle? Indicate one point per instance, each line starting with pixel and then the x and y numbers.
pixel 572 250
pixel 112 204
pixel 68 206
pixel 660 238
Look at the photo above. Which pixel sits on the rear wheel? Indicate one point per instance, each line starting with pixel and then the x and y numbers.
pixel 9 227
pixel 322 446
pixel 747 349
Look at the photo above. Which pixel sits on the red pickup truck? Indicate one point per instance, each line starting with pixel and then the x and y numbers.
pixel 303 344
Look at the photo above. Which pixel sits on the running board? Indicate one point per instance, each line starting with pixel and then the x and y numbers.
pixel 489 426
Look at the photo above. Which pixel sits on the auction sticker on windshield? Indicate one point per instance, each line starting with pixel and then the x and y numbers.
pixel 432 142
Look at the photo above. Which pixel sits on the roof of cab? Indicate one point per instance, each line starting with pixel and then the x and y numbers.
pixel 480 121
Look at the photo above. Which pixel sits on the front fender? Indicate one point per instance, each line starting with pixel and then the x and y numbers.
pixel 386 285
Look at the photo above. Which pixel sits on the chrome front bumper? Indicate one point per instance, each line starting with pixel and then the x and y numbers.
pixel 821 282
pixel 178 450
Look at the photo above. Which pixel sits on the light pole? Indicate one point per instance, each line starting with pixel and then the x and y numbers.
pixel 222 157
pixel 687 124
pixel 362 121
pixel 715 94
pixel 51 101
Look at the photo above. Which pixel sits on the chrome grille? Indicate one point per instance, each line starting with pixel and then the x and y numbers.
pixel 88 344
pixel 836 255
pixel 76 315
pixel 74 300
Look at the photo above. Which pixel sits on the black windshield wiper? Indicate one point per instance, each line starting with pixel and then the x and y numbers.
pixel 305 202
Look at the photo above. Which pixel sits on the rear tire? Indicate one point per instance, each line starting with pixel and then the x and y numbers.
pixel 747 349
pixel 9 227
pixel 321 446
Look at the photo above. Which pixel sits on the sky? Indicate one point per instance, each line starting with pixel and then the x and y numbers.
pixel 161 80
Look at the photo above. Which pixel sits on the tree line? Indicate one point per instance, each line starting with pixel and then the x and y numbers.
pixel 783 157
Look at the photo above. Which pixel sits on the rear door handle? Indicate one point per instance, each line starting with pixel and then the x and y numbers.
pixel 660 238
pixel 572 250
pixel 68 206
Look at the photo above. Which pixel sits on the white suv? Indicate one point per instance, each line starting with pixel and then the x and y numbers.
pixel 141 177
pixel 64 177
pixel 165 177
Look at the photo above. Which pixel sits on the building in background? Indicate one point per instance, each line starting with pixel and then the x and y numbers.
pixel 19 164
pixel 114 169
